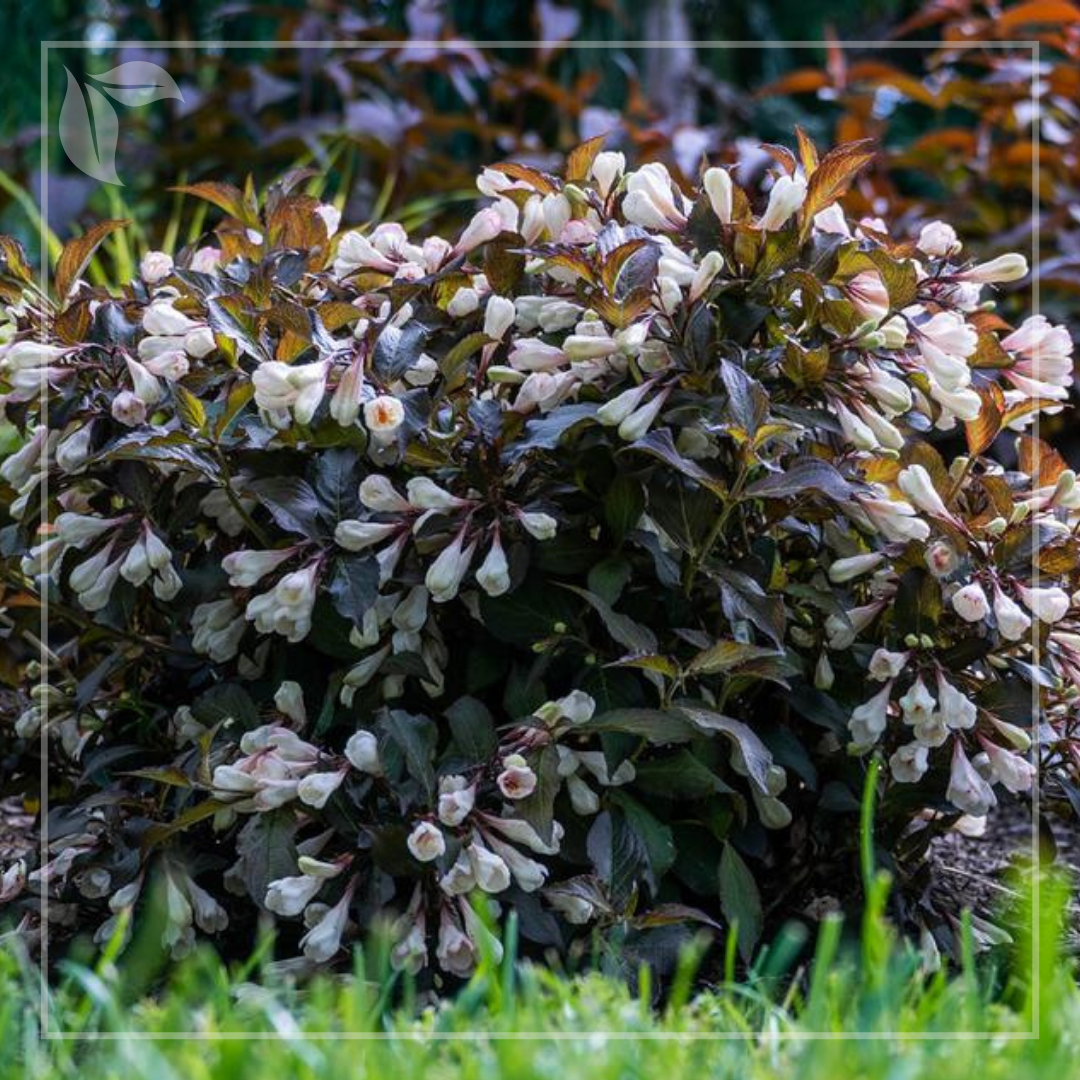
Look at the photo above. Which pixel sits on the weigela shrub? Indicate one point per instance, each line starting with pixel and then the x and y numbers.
pixel 580 560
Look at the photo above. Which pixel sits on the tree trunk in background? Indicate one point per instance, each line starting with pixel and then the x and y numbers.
pixel 669 73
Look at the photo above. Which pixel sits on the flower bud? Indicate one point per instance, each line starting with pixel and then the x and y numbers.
pixel 445 574
pixel 362 751
pixel 785 198
pixel 718 188
pixel 155 266
pixel 493 576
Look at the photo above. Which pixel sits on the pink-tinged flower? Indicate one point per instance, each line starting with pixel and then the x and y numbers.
pixel 785 198
pixel 206 260
pixel 517 780
pixel 942 558
pixel 484 226
pixel 606 170
pixel 316 788
pixel 916 484
pixel 128 409
pixel 455 951
pixel 917 704
pixel 1012 623
pixel 349 394
pixel 493 575
pixel 967 790
pixel 499 316
pixel 868 295
pixel 155 266
pixel 652 200
pixel 491 872
pixel 887 665
pixel 718 188
pixel 869 721
pixel 945 342
pixel 1049 604
pixel 426 842
pixel 456 800
pixel 938 240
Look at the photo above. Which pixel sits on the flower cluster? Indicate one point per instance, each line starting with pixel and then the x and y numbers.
pixel 555 562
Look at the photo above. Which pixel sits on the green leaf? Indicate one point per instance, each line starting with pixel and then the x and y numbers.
pixel 678 776
pixel 754 752
pixel 354 585
pixel 473 729
pixel 624 503
pixel 539 808
pixel 656 726
pixel 740 900
pixel 415 737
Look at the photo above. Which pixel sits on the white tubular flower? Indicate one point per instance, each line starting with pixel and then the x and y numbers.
pixel 895 520
pixel 409 953
pixel 1012 771
pixel 576 910
pixel 291 387
pixel 970 603
pixel 532 354
pixel 785 198
pixel 290 895
pixel 383 416
pixel 498 317
pixel 324 939
pixel 136 566
pixel 146 387
pixel 493 575
pixel 426 842
pixel 606 170
pixel 355 251
pixel 538 525
pixel 917 704
pixel 378 493
pixel 916 484
pixel 217 627
pixel 128 409
pixel 455 951
pixel 1048 604
pixel 491 872
pixel 958 711
pixel 868 295
pixel 909 763
pixel 456 800
pixel 359 535
pixel 446 573
pixel 517 780
pixel 1004 268
pixel 938 240
pixel 614 412
pixel 637 424
pixel 886 665
pixel 711 265
pixel 964 404
pixel 78 530
pixel 527 873
pixel 718 188
pixel 945 342
pixel 248 568
pixel 155 266
pixel 854 566
pixel 362 751
pixel 316 788
pixel 652 200
pixel 824 676
pixel 967 790
pixel 464 302
pixel 425 494
pixel 1012 623
pixel 349 394
pixel 869 721
pixel 942 558
pixel 289 699
pixel 521 832
pixel 842 630
pixel 459 879
pixel 484 226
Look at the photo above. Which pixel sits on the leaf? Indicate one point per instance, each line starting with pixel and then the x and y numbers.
pixel 267 849
pixel 748 403
pixel 415 737
pixel 832 177
pixel 337 483
pixel 138 82
pixel 657 726
pixel 740 900
pixel 224 196
pixel 754 752
pixel 189 408
pixel 89 137
pixel 982 431
pixel 725 655
pixel 660 444
pixel 624 503
pixel 580 160
pixel 538 809
pixel 354 585
pixel 1040 461
pixel 292 503
pixel 803 475
pixel 78 252
pixel 544 433
pixel 397 349
pixel 621 627
pixel 473 730
pixel 657 837
pixel 678 776
pixel 807 151
pixel 618 855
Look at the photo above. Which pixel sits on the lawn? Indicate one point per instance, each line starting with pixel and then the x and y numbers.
pixel 863 1006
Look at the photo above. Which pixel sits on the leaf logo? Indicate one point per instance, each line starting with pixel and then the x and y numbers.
pixel 89 127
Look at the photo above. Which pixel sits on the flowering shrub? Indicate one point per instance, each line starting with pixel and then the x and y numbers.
pixel 581 560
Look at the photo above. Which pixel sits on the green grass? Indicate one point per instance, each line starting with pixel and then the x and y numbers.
pixel 861 980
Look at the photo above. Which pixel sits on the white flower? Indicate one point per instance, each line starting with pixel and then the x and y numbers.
pixel 383 416
pixel 517 780
pixel 606 169
pixel 576 910
pixel 491 872
pixel 887 665
pixel 445 574
pixel 841 570
pixel 347 397
pixel 868 295
pixel 1048 604
pixel 498 317
pixel 493 575
pixel 915 483
pixel 637 424
pixel 842 630
pixel 970 603
pixel 718 188
pixel 290 895
pixel 456 799
pixel 942 558
pixel 958 711
pixel 289 699
pixel 918 703
pixel 786 196
pixel 527 873
pixel 1005 268
pixel 1011 620
pixel 938 240
pixel 155 266
pixel 459 879
pixel 652 200
pixel 77 530
pixel 455 952
pixel 324 939
pixel 869 721
pixel 128 409
pixel 427 495
pixel 358 535
pixel 1012 771
pixel 577 707
pixel 484 226
pixel 967 790
pixel 945 342
pixel 378 493
pixel 909 763
pixel 280 388
pixel 426 842
pixel 248 568
pixel 316 788
pixel 362 750
pixel 894 519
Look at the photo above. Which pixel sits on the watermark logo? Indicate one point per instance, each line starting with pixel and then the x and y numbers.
pixel 89 127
